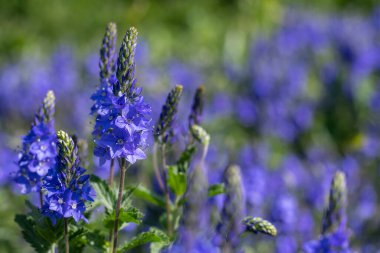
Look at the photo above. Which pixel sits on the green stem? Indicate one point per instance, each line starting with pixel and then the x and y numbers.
pixel 167 194
pixel 67 245
pixel 110 183
pixel 110 177
pixel 123 169
pixel 156 168
pixel 52 249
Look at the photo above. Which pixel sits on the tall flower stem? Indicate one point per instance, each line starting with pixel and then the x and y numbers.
pixel 157 171
pixel 66 229
pixel 166 192
pixel 110 183
pixel 110 177
pixel 123 169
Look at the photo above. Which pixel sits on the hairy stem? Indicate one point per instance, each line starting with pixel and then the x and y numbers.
pixel 123 169
pixel 67 245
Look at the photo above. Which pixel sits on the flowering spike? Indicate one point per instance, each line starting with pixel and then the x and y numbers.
pixel 335 237
pixel 195 117
pixel 107 52
pixel 67 188
pixel 259 225
pixel 233 208
pixel 169 109
pixel 200 134
pixel 46 112
pixel 68 152
pixel 125 72
pixel 335 214
pixel 39 152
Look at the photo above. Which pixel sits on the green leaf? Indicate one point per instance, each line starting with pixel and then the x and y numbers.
pixel 126 201
pixel 154 235
pixel 216 189
pixel 177 180
pixel 104 194
pixel 126 216
pixel 27 226
pixel 96 240
pixel 77 238
pixel 38 230
pixel 145 194
pixel 185 158
pixel 177 174
pixel 156 247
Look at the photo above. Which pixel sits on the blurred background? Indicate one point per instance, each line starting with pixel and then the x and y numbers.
pixel 292 93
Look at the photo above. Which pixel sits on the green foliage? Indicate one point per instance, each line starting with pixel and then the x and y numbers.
pixel 126 216
pixel 27 225
pixel 177 180
pixel 77 238
pixel 38 230
pixel 95 239
pixel 185 158
pixel 177 174
pixel 216 189
pixel 143 193
pixel 104 195
pixel 154 235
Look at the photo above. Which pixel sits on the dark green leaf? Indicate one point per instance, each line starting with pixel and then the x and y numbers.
pixel 38 230
pixel 152 236
pixel 96 239
pixel 104 194
pixel 126 216
pixel 27 226
pixel 215 189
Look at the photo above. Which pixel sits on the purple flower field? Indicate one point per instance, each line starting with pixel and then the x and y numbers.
pixel 111 150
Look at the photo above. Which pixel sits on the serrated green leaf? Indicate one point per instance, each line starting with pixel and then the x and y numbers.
pixel 38 230
pixel 143 193
pixel 104 194
pixel 126 201
pixel 126 216
pixel 216 189
pixel 152 236
pixel 27 226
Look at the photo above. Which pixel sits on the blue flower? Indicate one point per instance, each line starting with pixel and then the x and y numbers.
pixel 336 242
pixel 67 188
pixel 107 68
pixel 38 153
pixel 123 120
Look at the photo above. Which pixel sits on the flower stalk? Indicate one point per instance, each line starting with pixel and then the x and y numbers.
pixel 123 169
pixel 67 243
